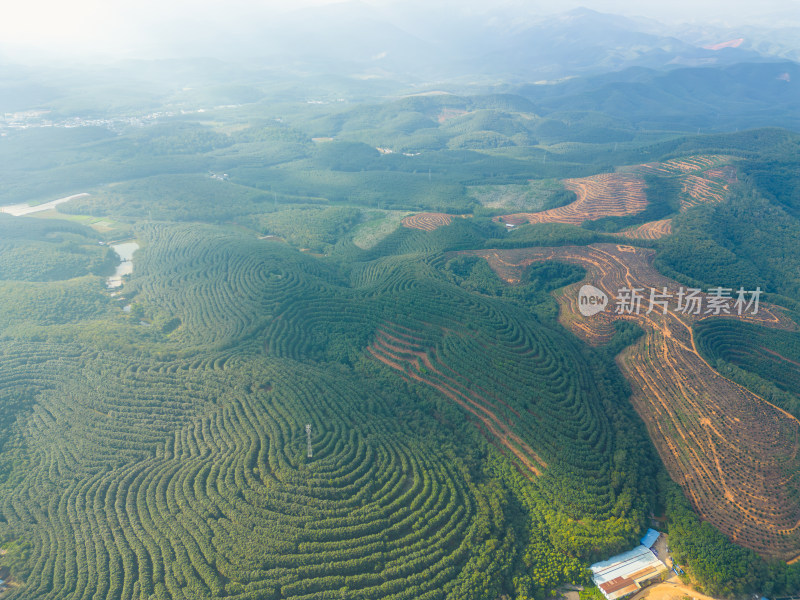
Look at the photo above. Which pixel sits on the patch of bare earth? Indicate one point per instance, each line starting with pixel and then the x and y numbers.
pixel 734 453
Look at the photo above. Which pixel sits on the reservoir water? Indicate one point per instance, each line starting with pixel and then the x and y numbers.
pixel 125 252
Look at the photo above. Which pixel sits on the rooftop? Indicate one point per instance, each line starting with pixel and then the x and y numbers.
pixel 650 538
pixel 623 574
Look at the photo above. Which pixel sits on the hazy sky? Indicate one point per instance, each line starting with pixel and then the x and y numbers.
pixel 136 27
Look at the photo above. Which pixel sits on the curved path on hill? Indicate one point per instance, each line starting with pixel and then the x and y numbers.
pixel 736 456
pixel 702 179
pixel 605 195
pixel 428 221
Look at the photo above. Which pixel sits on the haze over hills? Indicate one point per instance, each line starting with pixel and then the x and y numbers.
pixel 706 98
pixel 292 300
pixel 455 45
pixel 432 44
pixel 433 40
pixel 631 68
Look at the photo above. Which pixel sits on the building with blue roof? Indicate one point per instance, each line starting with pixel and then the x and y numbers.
pixel 650 538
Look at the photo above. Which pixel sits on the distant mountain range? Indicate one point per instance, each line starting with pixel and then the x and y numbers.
pixel 429 43
pixel 709 98
pixel 639 73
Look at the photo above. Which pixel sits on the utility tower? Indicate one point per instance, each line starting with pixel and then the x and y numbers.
pixel 308 438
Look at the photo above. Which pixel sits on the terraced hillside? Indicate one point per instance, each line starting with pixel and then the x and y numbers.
pixel 682 166
pixel 331 375
pixel 734 454
pixel 401 350
pixel 610 194
pixel 148 486
pixel 458 442
pixel 767 362
pixel 217 289
pixel 427 221
pixel 649 231
pixel 527 390
pixel 702 179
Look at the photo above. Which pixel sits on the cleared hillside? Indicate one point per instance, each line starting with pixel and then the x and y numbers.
pixel 735 455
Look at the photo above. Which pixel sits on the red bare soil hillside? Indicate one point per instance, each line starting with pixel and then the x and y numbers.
pixel 649 231
pixel 703 179
pixel 734 454
pixel 609 194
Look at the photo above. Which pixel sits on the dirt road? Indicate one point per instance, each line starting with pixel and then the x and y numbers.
pixel 670 590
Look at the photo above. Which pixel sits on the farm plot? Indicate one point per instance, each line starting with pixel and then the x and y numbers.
pixel 530 390
pixel 428 221
pixel 680 166
pixel 734 454
pixel 605 195
pixel 649 231
pixel 708 187
pixel 176 480
pixel 404 352
pixel 702 179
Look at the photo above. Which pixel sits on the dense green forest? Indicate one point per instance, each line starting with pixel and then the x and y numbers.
pixel 152 438
pixel 748 240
